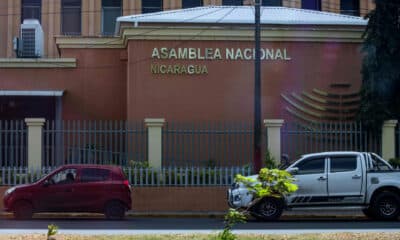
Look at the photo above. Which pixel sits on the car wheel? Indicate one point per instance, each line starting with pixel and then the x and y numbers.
pixel 386 206
pixel 115 210
pixel 268 209
pixel 23 210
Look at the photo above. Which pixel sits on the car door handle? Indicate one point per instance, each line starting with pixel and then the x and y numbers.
pixel 356 177
pixel 69 190
pixel 322 178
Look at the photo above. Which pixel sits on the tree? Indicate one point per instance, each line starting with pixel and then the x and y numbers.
pixel 380 98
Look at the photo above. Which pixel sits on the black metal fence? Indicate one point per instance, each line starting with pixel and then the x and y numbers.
pixel 13 143
pixel 94 142
pixel 299 139
pixel 207 144
pixel 398 141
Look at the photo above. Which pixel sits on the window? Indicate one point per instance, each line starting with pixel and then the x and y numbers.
pixel 71 17
pixel 31 9
pixel 271 3
pixel 343 164
pixel 65 176
pixel 379 164
pixel 350 7
pixel 111 9
pixel 232 2
pixel 191 3
pixel 94 175
pixel 311 166
pixel 149 6
pixel 311 4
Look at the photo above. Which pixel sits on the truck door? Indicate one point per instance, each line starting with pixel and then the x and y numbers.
pixel 345 179
pixel 312 181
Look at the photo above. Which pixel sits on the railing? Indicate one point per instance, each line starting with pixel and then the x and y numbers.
pixel 298 139
pixel 142 176
pixel 13 142
pixel 207 144
pixel 94 142
pixel 398 141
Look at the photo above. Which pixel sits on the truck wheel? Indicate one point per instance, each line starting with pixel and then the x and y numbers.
pixel 268 209
pixel 386 206
pixel 23 210
pixel 369 212
pixel 114 210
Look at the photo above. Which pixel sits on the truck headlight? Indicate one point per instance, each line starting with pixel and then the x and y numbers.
pixel 235 185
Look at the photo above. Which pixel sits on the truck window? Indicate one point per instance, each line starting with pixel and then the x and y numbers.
pixel 311 166
pixel 379 164
pixel 343 163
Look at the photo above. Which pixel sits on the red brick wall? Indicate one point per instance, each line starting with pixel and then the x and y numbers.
pixel 173 199
pixel 226 92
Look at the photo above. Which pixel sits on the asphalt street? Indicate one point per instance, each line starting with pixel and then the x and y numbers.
pixel 209 224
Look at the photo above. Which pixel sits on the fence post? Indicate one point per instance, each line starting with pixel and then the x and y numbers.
pixel 154 138
pixel 35 131
pixel 273 127
pixel 389 139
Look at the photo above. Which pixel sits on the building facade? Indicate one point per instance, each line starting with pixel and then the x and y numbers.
pixel 195 64
pixel 97 17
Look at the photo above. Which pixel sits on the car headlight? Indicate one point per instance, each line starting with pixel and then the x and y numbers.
pixel 10 190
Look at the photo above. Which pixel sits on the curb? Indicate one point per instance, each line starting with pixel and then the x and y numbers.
pixel 132 214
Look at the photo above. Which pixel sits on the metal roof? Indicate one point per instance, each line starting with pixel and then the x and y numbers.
pixel 244 15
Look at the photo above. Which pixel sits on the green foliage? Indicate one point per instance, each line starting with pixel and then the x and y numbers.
pixel 395 162
pixel 139 164
pixel 51 231
pixel 381 66
pixel 270 182
pixel 231 218
pixel 269 160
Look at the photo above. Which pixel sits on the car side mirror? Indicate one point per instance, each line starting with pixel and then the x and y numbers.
pixel 293 170
pixel 46 183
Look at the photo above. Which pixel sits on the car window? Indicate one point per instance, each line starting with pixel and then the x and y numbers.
pixel 311 166
pixel 343 163
pixel 65 176
pixel 94 175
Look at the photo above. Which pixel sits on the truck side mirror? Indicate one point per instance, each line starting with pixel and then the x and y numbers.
pixel 293 170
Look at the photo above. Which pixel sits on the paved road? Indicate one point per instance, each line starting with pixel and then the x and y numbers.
pixel 197 224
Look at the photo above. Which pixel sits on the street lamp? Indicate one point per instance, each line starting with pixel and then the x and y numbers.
pixel 257 92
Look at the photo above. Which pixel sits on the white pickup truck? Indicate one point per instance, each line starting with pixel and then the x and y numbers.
pixel 330 180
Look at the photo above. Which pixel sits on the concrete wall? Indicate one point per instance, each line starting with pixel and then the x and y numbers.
pixel 173 199
pixel 96 89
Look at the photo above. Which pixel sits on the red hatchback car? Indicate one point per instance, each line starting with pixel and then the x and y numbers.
pixel 73 188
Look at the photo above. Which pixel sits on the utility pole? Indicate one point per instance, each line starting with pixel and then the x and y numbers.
pixel 257 92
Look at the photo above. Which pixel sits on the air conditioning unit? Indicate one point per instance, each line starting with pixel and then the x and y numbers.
pixel 30 43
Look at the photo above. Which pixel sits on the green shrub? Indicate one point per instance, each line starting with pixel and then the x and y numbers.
pixel 395 162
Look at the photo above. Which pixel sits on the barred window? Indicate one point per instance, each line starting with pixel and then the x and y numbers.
pixel 232 2
pixel 271 2
pixel 31 9
pixel 149 6
pixel 350 7
pixel 191 3
pixel 111 9
pixel 311 4
pixel 71 17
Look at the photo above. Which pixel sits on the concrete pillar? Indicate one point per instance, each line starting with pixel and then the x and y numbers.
pixel 389 139
pixel 35 127
pixel 154 139
pixel 273 127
